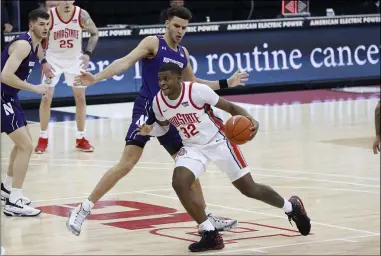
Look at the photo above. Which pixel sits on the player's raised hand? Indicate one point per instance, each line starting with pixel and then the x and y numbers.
pixel 84 79
pixel 254 128
pixel 41 89
pixel 48 70
pixel 144 129
pixel 85 61
pixel 238 79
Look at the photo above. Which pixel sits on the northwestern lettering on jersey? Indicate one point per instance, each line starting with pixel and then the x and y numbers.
pixel 178 63
pixel 184 119
pixel 66 33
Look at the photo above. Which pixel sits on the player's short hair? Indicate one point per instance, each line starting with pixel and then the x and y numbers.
pixel 38 13
pixel 174 68
pixel 179 11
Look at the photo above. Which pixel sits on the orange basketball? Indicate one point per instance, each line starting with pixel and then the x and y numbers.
pixel 237 129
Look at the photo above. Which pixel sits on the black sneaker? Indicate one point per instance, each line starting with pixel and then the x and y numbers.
pixel 210 240
pixel 299 216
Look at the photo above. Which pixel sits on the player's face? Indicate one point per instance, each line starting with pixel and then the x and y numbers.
pixel 40 28
pixel 169 83
pixel 67 5
pixel 176 28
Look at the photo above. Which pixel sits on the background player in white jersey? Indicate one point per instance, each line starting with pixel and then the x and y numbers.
pixel 64 55
pixel 187 106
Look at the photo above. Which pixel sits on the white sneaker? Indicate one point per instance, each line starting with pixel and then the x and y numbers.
pixel 220 223
pixel 76 219
pixel 19 209
pixel 5 193
pixel 2 251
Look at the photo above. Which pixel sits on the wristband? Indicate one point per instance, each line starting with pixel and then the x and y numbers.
pixel 223 83
pixel 44 61
pixel 88 53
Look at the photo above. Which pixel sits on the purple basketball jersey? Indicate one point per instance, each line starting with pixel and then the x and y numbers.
pixel 150 67
pixel 25 67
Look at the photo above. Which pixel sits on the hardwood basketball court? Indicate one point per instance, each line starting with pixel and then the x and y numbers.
pixel 319 151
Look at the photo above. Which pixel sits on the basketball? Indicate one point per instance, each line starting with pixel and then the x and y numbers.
pixel 237 129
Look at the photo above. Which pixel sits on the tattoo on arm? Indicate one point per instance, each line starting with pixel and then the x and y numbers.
pixel 377 119
pixel 89 25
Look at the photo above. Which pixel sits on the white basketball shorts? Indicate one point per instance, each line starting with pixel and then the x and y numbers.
pixel 69 67
pixel 220 151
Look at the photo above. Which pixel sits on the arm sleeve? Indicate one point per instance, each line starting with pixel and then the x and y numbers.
pixel 203 94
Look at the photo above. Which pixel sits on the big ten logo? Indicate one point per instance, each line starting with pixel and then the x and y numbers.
pixel 245 231
pixel 149 216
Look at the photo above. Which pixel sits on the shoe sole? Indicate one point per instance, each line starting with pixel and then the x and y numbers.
pixel 305 213
pixel 85 150
pixel 219 247
pixel 12 214
pixel 71 229
pixel 39 152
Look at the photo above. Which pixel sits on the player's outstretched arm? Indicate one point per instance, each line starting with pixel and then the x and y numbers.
pixel 145 49
pixel 237 79
pixel 376 141
pixel 18 51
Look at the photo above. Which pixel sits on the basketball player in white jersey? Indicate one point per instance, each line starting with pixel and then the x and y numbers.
pixel 64 55
pixel 187 106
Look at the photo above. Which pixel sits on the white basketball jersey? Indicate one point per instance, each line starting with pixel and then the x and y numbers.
pixel 65 39
pixel 195 123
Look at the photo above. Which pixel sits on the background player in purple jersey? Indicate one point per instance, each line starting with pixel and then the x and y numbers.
pixel 17 61
pixel 153 51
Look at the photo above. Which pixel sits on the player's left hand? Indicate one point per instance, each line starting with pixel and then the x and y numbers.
pixel 238 79
pixel 254 128
pixel 144 129
pixel 85 61
pixel 376 144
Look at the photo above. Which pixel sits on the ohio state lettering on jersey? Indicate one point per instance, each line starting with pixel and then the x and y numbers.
pixel 191 113
pixel 65 38
pixel 183 119
pixel 66 33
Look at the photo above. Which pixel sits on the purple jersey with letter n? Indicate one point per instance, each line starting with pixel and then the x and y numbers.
pixel 150 87
pixel 12 115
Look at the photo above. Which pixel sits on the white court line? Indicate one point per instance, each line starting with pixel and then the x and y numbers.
pixel 267 214
pixel 172 163
pixel 291 244
pixel 170 189
pixel 164 168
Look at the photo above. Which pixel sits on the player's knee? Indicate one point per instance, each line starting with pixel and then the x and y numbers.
pixel 26 146
pixel 124 167
pixel 80 99
pixel 181 179
pixel 46 100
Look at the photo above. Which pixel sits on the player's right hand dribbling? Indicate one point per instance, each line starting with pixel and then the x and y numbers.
pixel 41 89
pixel 84 79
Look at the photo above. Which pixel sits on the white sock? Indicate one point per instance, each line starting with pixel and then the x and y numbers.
pixel 7 182
pixel 44 134
pixel 287 207
pixel 206 226
pixel 87 205
pixel 16 194
pixel 207 212
pixel 80 135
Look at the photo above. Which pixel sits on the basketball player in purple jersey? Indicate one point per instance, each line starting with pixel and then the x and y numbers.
pixel 17 61
pixel 153 51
